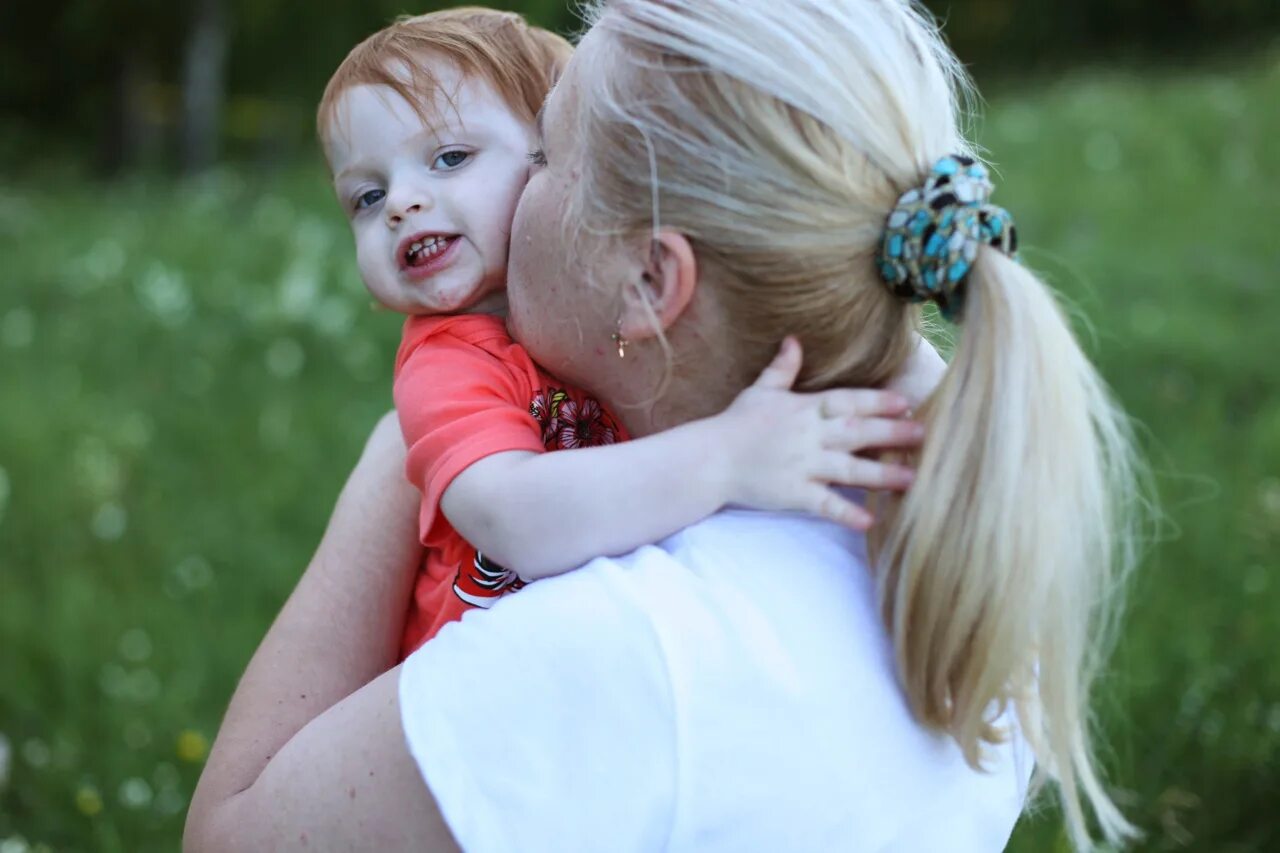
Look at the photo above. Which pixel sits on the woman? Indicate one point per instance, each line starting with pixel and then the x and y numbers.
pixel 718 174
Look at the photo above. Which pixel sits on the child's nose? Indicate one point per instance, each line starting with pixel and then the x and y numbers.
pixel 402 206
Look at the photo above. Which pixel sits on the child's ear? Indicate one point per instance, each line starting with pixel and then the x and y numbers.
pixel 661 287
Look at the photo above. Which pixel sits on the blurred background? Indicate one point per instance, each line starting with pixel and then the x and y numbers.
pixel 189 365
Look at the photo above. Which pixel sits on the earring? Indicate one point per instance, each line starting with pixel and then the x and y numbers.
pixel 620 342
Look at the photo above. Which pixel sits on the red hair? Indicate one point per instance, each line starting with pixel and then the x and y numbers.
pixel 521 63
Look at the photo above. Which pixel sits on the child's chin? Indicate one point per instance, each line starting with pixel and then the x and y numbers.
pixel 460 301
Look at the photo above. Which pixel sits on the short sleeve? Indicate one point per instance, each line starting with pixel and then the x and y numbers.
pixel 546 722
pixel 458 403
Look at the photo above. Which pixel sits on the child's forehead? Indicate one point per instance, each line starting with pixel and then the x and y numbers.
pixel 435 94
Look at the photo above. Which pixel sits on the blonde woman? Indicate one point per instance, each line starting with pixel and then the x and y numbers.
pixel 713 176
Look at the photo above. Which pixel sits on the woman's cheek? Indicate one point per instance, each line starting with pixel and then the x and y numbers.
pixel 522 319
pixel 547 328
pixel 530 315
pixel 537 273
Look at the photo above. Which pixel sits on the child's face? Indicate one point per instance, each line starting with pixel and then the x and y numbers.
pixel 431 206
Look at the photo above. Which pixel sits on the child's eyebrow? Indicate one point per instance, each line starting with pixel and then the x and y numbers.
pixel 350 170
pixel 537 120
pixel 368 165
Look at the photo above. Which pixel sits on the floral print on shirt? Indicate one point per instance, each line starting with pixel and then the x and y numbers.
pixel 567 422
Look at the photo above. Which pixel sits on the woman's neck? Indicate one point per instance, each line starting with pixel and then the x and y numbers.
pixel 920 375
pixel 694 388
pixel 695 378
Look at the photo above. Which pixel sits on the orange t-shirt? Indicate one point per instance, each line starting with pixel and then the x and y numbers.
pixel 465 390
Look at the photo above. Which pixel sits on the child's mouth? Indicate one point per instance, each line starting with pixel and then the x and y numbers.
pixel 423 251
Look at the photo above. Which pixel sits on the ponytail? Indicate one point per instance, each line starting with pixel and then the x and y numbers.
pixel 998 565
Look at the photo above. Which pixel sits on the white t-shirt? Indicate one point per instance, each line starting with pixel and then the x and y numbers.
pixel 729 689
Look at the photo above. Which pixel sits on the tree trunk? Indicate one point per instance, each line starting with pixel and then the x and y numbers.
pixel 131 138
pixel 204 84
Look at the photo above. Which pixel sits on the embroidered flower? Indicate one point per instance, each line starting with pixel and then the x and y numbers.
pixel 545 409
pixel 542 409
pixel 584 425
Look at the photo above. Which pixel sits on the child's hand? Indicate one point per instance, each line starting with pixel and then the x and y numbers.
pixel 787 450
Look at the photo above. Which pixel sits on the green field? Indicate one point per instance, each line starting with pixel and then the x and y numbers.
pixel 187 372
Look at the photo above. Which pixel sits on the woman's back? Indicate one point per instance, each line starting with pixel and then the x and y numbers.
pixel 732 688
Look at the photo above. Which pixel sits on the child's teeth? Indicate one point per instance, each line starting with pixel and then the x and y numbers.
pixel 429 246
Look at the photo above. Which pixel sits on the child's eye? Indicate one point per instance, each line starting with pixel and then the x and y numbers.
pixel 451 159
pixel 369 199
pixel 538 157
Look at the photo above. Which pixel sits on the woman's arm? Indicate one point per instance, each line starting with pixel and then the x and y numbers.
pixel 288 735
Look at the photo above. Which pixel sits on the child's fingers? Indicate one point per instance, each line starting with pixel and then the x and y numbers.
pixel 861 402
pixel 850 434
pixel 782 371
pixel 826 503
pixel 848 470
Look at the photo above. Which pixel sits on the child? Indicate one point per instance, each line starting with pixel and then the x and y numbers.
pixel 427 127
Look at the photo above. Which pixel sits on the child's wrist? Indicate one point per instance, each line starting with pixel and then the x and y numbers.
pixel 717 455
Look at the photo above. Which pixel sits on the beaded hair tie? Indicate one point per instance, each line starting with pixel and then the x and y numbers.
pixel 932 236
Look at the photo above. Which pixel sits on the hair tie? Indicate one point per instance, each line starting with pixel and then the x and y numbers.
pixel 932 236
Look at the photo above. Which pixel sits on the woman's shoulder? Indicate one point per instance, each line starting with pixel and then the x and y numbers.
pixel 772 563
pixel 783 675
pixel 561 687
pixel 738 668
pixel 773 560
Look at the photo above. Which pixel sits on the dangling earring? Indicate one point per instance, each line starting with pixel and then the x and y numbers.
pixel 655 249
pixel 620 342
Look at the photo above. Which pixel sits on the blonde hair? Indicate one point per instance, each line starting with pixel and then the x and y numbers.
pixel 778 135
pixel 521 62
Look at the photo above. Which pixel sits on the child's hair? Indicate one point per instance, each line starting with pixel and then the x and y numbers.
pixel 521 62
pixel 778 135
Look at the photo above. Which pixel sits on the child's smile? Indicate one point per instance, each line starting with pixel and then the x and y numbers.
pixel 423 255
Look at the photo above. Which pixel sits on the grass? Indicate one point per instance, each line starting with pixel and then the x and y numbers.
pixel 188 371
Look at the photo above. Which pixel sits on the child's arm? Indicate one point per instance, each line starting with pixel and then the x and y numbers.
pixel 540 514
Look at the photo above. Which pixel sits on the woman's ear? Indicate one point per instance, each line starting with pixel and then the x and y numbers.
pixel 662 288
